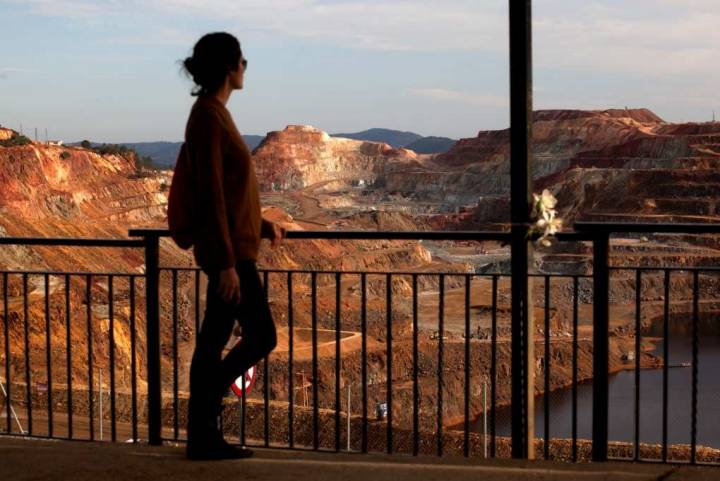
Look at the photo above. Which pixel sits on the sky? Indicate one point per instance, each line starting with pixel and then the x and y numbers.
pixel 109 70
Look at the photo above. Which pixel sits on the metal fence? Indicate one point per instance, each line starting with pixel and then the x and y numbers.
pixel 371 361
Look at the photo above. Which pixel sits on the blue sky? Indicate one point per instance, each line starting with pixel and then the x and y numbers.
pixel 108 71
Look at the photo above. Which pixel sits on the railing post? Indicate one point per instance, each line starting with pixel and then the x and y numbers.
pixel 523 367
pixel 601 298
pixel 152 319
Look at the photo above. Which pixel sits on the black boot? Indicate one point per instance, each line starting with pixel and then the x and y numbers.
pixel 215 449
pixel 205 441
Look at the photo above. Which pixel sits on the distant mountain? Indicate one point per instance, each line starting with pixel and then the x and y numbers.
pixel 431 145
pixel 398 138
pixel 395 138
pixel 253 141
pixel 164 154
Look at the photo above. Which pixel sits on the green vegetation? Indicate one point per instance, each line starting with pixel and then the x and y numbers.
pixel 114 149
pixel 64 155
pixel 143 163
pixel 16 139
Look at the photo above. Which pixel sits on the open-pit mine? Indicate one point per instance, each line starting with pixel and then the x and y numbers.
pixel 619 165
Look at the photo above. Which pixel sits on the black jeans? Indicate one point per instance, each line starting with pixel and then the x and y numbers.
pixel 211 375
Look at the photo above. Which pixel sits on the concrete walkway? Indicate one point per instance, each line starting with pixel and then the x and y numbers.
pixel 25 459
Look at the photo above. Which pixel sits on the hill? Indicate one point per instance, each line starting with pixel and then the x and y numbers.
pixel 431 145
pixel 394 138
pixel 164 154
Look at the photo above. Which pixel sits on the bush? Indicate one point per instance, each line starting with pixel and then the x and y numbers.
pixel 64 155
pixel 16 139
pixel 113 149
pixel 85 144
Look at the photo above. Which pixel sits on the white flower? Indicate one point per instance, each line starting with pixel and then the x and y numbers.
pixel 548 200
pixel 545 241
pixel 544 201
pixel 547 223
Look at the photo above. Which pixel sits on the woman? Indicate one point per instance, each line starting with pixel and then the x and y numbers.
pixel 226 238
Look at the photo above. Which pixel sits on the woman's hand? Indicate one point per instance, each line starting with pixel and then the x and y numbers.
pixel 229 288
pixel 277 235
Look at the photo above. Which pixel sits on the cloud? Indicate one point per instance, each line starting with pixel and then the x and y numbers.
pixel 4 71
pixel 446 95
pixel 648 38
pixel 643 48
pixel 401 25
pixel 74 9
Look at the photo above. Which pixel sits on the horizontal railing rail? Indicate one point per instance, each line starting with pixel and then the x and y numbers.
pixel 70 242
pixel 502 236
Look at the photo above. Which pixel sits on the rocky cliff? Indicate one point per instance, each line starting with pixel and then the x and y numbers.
pixel 301 156
pixel 6 133
pixel 627 162
pixel 61 191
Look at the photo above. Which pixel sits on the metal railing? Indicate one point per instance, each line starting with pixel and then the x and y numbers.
pixel 70 392
pixel 420 391
pixel 601 233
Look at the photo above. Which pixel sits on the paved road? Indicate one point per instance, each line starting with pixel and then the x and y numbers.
pixel 24 459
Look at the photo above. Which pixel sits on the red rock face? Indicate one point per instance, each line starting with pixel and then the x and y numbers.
pixel 5 133
pixel 300 156
pixel 558 134
pixel 610 164
pixel 62 191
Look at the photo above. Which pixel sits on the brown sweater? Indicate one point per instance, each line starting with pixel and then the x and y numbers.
pixel 226 193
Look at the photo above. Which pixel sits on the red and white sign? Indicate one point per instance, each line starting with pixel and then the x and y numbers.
pixel 238 388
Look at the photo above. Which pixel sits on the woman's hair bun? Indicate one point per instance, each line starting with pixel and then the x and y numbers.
pixel 189 64
pixel 214 55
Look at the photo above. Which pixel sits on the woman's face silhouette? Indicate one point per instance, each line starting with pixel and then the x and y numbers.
pixel 237 76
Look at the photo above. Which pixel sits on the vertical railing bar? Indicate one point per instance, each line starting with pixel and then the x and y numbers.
pixel 493 366
pixel 546 441
pixel 152 336
pixel 88 312
pixel 133 363
pixel 176 422
pixel 638 340
pixel 197 305
pixel 291 341
pixel 243 410
pixel 575 368
pixel 416 391
pixel 111 315
pixel 266 376
pixel 48 349
pixel 466 434
pixel 337 361
pixel 363 361
pixel 522 387
pixel 389 339
pixel 441 367
pixel 6 334
pixel 601 347
pixel 28 385
pixel 68 358
pixel 666 360
pixel 316 407
pixel 695 341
